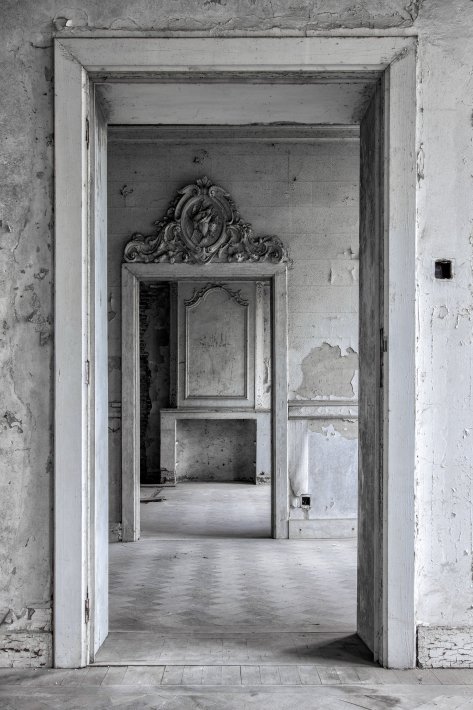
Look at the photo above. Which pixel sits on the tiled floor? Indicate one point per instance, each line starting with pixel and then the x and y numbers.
pixel 207 510
pixel 235 688
pixel 206 584
pixel 208 613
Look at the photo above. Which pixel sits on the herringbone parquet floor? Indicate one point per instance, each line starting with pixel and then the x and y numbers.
pixel 208 612
pixel 206 583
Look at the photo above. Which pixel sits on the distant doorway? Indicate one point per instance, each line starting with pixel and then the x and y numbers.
pixel 254 411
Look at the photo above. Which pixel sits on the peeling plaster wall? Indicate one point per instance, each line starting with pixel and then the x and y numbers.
pixel 306 193
pixel 445 217
pixel 444 583
pixel 212 450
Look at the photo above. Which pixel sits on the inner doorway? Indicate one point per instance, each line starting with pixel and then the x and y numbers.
pixel 205 397
pixel 205 407
pixel 322 430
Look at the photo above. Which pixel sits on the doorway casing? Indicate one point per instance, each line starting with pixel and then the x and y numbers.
pixel 132 275
pixel 81 474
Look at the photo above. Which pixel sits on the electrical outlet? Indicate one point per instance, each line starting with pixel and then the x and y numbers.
pixel 305 501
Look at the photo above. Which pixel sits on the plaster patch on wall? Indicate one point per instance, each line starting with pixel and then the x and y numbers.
pixel 26 650
pixel 346 428
pixel 30 310
pixel 333 446
pixel 420 164
pixel 13 422
pixel 216 450
pixel 115 532
pixel 351 253
pixel 111 307
pixel 200 156
pixel 29 618
pixel 69 17
pixel 326 372
pixel 445 647
pixel 237 15
pixel 344 274
pixel 25 636
pixel 466 312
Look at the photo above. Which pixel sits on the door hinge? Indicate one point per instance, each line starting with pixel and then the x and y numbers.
pixel 87 372
pixel 87 609
pixel 87 132
pixel 383 347
pixel 383 341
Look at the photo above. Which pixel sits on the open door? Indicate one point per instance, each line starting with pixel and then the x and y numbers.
pixel 371 345
pixel 98 389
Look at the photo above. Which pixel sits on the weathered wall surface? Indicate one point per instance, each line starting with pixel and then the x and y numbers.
pixel 445 310
pixel 215 450
pixel 445 216
pixel 307 194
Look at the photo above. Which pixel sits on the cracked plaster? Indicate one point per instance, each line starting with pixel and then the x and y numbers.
pixel 445 216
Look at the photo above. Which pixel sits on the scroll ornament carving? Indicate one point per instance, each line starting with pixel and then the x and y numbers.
pixel 201 225
pixel 211 286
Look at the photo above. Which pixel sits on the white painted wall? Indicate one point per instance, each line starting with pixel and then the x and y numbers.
pixel 445 217
pixel 444 586
pixel 306 193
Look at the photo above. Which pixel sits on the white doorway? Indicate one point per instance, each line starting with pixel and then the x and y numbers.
pixel 80 555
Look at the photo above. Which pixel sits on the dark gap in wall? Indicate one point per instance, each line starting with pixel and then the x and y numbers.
pixel 154 374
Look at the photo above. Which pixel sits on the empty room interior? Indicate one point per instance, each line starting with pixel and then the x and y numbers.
pixel 202 578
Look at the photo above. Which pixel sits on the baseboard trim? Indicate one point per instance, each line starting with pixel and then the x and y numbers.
pixel 445 646
pixel 323 528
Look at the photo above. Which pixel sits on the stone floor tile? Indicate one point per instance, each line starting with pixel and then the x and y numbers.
pixel 143 675
pixel 172 675
pixel 114 676
pixel 231 675
pixel 250 675
pixel 328 675
pixel 192 675
pixel 270 675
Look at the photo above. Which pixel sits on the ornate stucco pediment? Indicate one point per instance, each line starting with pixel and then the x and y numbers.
pixel 202 224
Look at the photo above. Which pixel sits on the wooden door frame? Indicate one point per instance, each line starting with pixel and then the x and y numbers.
pixel 79 63
pixel 132 276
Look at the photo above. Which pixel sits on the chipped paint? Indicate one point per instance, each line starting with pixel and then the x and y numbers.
pixel 326 372
pixel 345 428
pixel 445 214
pixel 209 450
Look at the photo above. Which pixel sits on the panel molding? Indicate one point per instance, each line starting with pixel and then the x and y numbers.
pixel 199 294
pixel 244 298
pixel 190 305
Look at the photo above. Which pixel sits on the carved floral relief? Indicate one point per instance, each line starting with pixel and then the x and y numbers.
pixel 201 225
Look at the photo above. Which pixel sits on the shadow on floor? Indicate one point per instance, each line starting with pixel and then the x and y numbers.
pixel 347 649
